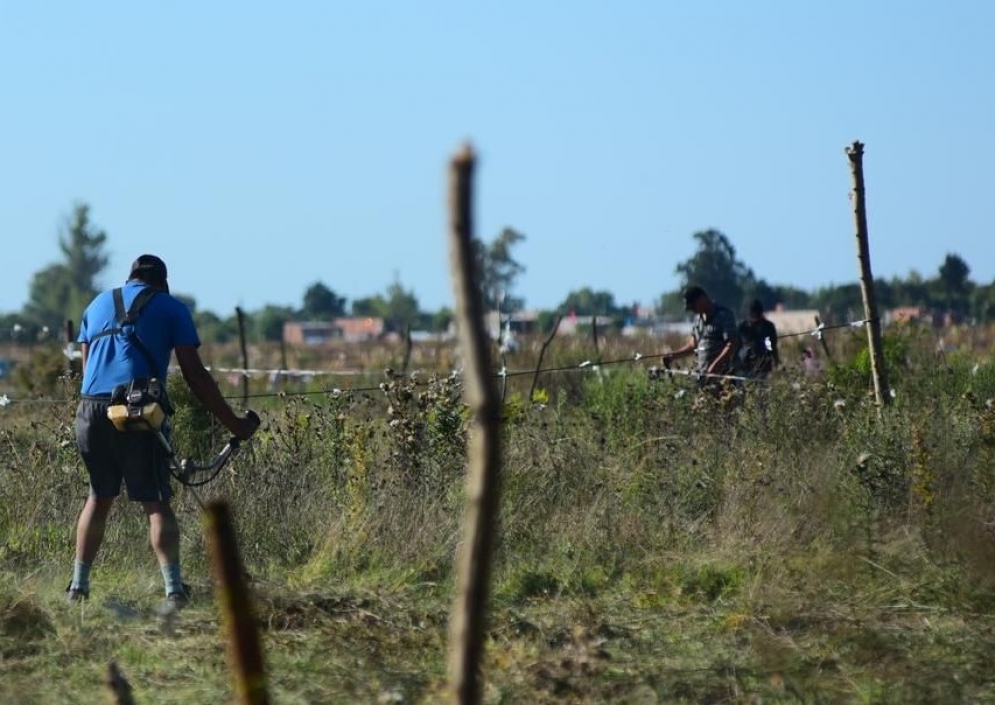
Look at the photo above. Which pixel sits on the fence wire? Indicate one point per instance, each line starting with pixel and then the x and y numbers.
pixel 587 365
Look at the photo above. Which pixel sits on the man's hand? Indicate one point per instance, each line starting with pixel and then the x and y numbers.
pixel 245 426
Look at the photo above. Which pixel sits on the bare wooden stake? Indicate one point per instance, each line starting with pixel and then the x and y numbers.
pixel 468 621
pixel 882 395
pixel 594 333
pixel 245 355
pixel 118 686
pixel 542 353
pixel 283 364
pixel 822 339
pixel 407 349
pixel 244 650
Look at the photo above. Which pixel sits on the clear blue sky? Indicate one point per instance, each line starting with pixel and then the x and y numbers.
pixel 259 147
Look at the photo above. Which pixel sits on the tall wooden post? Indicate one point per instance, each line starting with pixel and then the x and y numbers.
pixel 245 355
pixel 283 363
pixel 468 621
pixel 70 338
pixel 882 395
pixel 244 649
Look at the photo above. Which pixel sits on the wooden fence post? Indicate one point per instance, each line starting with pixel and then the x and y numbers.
pixel 408 345
pixel 882 395
pixel 244 650
pixel 118 688
pixel 68 333
pixel 245 355
pixel 468 620
pixel 542 353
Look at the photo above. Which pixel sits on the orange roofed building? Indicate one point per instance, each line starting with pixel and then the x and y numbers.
pixel 357 329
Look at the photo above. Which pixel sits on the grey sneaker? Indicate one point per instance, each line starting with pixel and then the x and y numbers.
pixel 74 595
pixel 179 600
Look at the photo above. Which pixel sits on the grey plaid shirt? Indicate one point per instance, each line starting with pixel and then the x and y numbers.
pixel 711 333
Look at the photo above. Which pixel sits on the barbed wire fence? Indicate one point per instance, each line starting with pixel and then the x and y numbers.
pixel 818 333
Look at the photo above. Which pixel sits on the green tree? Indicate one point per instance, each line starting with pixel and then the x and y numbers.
pixel 321 303
pixel 669 304
pixel 49 298
pixel 213 329
pixel 983 302
pixel 441 319
pixel 792 297
pixel 191 302
pixel 545 320
pixel 587 302
pixel 499 271
pixel 374 306
pixel 954 284
pixel 61 291
pixel 270 320
pixel 401 307
pixel 839 303
pixel 397 306
pixel 913 290
pixel 715 267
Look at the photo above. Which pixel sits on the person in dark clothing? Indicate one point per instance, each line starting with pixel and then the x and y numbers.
pixel 759 353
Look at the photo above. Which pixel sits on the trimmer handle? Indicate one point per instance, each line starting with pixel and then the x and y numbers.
pixel 234 442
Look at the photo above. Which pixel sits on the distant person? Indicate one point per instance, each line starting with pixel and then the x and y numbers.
pixel 714 340
pixel 810 363
pixel 759 354
pixel 127 336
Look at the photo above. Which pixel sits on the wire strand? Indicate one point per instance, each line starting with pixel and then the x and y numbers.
pixel 586 365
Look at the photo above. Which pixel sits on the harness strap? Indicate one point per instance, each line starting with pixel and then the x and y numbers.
pixel 128 318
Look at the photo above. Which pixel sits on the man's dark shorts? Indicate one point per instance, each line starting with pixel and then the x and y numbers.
pixel 110 456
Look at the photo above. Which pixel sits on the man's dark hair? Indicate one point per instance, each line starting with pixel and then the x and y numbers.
pixel 756 308
pixel 151 270
pixel 692 294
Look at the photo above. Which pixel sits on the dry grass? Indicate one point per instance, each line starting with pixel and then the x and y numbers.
pixel 651 549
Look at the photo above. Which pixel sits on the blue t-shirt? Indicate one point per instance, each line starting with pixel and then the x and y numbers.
pixel 162 325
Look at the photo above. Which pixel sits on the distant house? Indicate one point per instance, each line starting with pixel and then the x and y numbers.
pixel 683 329
pixel 348 329
pixel 517 323
pixel 911 314
pixel 572 324
pixel 792 322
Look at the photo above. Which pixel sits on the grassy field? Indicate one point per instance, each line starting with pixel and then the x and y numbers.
pixel 790 545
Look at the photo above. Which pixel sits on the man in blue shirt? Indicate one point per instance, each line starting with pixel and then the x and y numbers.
pixel 111 357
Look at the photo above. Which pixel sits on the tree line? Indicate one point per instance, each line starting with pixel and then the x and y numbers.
pixel 60 291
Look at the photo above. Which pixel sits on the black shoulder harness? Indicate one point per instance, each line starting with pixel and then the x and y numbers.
pixel 128 318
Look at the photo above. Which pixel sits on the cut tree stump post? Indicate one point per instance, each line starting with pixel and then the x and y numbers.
pixel 244 649
pixel 469 612
pixel 118 687
pixel 882 395
pixel 542 353
pixel 245 354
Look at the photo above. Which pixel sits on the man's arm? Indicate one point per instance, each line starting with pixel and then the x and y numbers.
pixel 84 348
pixel 687 349
pixel 204 387
pixel 723 361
